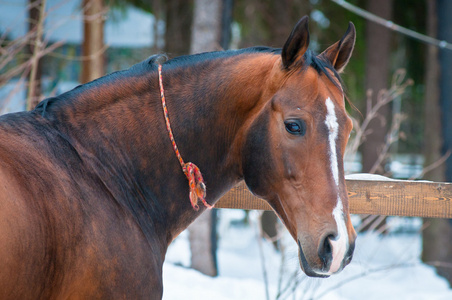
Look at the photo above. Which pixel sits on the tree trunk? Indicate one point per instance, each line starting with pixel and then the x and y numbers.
pixel 378 41
pixel 206 26
pixel 432 249
pixel 202 233
pixel 93 40
pixel 269 221
pixel 437 236
pixel 432 110
pixel 35 25
pixel 268 22
pixel 445 59
pixel 378 50
pixel 157 9
pixel 179 15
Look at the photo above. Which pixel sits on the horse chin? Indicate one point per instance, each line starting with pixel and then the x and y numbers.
pixel 305 265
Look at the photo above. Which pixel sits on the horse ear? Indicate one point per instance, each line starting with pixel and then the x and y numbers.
pixel 339 53
pixel 297 43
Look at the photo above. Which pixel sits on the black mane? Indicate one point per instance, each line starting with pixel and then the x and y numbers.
pixel 143 67
pixel 310 59
pixel 185 60
pixel 321 66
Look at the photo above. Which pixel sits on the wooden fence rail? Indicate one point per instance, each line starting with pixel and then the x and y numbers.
pixel 374 197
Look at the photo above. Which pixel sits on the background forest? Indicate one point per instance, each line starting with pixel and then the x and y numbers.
pixel 398 87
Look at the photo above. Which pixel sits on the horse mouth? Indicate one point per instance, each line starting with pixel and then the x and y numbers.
pixel 305 265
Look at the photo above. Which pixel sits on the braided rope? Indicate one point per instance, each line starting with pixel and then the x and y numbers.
pixel 191 171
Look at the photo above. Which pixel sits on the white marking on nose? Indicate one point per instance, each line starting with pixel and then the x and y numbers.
pixel 340 244
pixel 333 127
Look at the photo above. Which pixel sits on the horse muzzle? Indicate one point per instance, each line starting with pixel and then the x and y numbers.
pixel 331 257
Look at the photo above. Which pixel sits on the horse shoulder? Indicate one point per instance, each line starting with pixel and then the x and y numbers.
pixel 60 237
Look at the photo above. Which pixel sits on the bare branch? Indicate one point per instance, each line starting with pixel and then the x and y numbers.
pixel 363 274
pixel 80 57
pixel 259 236
pixel 398 86
pixel 391 138
pixel 433 165
pixel 37 48
pixel 20 68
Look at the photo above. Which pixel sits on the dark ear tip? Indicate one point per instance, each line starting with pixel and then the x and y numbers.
pixel 350 34
pixel 303 21
pixel 351 28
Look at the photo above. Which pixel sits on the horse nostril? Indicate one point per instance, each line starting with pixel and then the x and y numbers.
pixel 326 251
pixel 349 255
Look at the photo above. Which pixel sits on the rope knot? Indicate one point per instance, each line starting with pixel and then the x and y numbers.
pixel 196 184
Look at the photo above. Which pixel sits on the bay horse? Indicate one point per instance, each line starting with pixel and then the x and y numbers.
pixel 92 193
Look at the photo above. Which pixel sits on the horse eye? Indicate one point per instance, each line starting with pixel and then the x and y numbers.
pixel 295 127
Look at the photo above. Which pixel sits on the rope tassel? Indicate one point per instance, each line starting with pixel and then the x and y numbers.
pixel 191 171
pixel 197 186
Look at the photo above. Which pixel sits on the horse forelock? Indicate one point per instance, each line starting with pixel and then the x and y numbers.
pixel 322 66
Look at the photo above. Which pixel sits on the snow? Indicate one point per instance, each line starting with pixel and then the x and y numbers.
pixel 384 267
pixel 370 177
pixel 376 177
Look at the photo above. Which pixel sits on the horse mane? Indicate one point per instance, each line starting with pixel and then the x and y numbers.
pixel 143 67
pixel 150 64
pixel 310 59
pixel 188 60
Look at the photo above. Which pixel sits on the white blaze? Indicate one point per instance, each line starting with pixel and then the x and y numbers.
pixel 333 127
pixel 340 244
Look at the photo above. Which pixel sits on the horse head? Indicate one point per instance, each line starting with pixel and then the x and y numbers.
pixel 294 147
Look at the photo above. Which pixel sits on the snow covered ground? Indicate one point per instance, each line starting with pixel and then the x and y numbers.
pixel 384 267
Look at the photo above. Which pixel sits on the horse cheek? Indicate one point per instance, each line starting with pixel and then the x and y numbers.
pixel 257 161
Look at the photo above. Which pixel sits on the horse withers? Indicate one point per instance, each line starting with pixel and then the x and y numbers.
pixel 92 192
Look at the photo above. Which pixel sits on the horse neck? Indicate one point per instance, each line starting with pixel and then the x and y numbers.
pixel 122 134
pixel 211 105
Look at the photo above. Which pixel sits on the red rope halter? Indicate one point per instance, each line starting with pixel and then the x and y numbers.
pixel 191 171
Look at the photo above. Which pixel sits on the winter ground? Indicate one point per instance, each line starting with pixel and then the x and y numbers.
pixel 384 267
